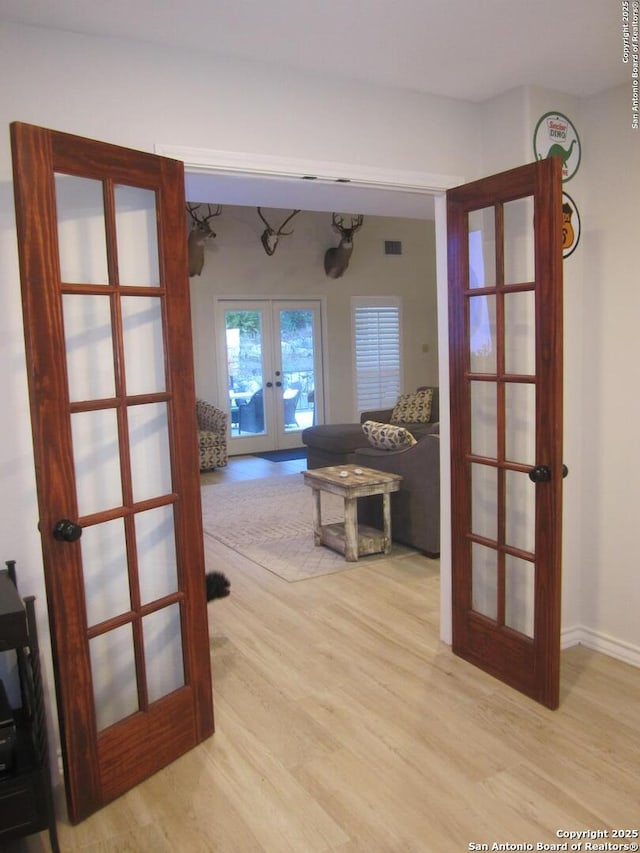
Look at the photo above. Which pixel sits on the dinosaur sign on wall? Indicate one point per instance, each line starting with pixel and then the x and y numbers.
pixel 555 136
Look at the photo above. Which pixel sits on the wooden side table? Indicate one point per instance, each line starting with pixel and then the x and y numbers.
pixel 351 483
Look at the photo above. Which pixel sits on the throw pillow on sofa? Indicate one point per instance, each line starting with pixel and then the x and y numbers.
pixel 413 408
pixel 387 436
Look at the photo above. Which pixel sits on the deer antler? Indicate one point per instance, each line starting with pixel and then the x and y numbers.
pixel 270 237
pixel 203 220
pixel 287 233
pixel 269 228
pixel 356 223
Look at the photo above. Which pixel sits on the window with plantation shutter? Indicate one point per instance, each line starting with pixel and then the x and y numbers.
pixel 377 351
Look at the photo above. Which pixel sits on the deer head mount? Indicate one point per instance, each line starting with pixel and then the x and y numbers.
pixel 336 260
pixel 270 237
pixel 198 236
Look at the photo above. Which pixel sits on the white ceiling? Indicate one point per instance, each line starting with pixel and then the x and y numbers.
pixel 465 49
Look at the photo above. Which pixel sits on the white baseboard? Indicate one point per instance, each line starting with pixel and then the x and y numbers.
pixel 601 643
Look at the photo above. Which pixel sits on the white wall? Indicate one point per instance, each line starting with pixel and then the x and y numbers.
pixel 140 95
pixel 601 594
pixel 609 312
pixel 540 102
pixel 236 265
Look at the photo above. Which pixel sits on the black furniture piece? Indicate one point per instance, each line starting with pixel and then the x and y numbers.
pixel 26 797
pixel 251 415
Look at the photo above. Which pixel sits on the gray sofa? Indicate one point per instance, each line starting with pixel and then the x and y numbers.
pixel 336 444
pixel 415 509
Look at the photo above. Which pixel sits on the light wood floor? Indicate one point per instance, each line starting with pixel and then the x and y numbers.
pixel 343 724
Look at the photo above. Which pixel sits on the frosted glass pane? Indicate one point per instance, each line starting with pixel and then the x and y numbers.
pixel 484 501
pixel 89 347
pixel 520 423
pixel 104 564
pixel 484 580
pixel 482 248
pixel 81 230
pixel 520 511
pixel 137 235
pixel 163 651
pixel 519 245
pixel 520 333
pixel 519 595
pixel 97 460
pixel 143 344
pixel 483 419
pixel 482 334
pixel 149 441
pixel 114 676
pixel 155 538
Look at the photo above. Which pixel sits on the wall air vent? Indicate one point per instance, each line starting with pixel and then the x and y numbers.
pixel 393 247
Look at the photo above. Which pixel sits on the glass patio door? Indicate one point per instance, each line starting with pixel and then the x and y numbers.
pixel 272 371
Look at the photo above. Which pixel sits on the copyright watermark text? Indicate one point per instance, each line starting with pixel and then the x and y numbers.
pixel 583 840
pixel 631 53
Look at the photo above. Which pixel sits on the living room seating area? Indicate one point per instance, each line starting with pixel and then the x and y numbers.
pixel 403 439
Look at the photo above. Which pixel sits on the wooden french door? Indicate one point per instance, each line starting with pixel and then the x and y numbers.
pixel 102 247
pixel 505 304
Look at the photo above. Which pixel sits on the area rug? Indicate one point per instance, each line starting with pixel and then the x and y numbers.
pixel 270 521
pixel 283 455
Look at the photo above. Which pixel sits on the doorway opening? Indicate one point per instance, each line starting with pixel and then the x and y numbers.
pixel 282 182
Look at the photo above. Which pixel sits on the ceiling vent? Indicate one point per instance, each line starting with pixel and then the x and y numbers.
pixel 393 247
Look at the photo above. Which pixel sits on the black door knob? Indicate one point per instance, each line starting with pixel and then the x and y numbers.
pixel 66 531
pixel 540 474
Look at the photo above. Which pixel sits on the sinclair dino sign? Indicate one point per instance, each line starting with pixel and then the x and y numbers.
pixel 554 136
